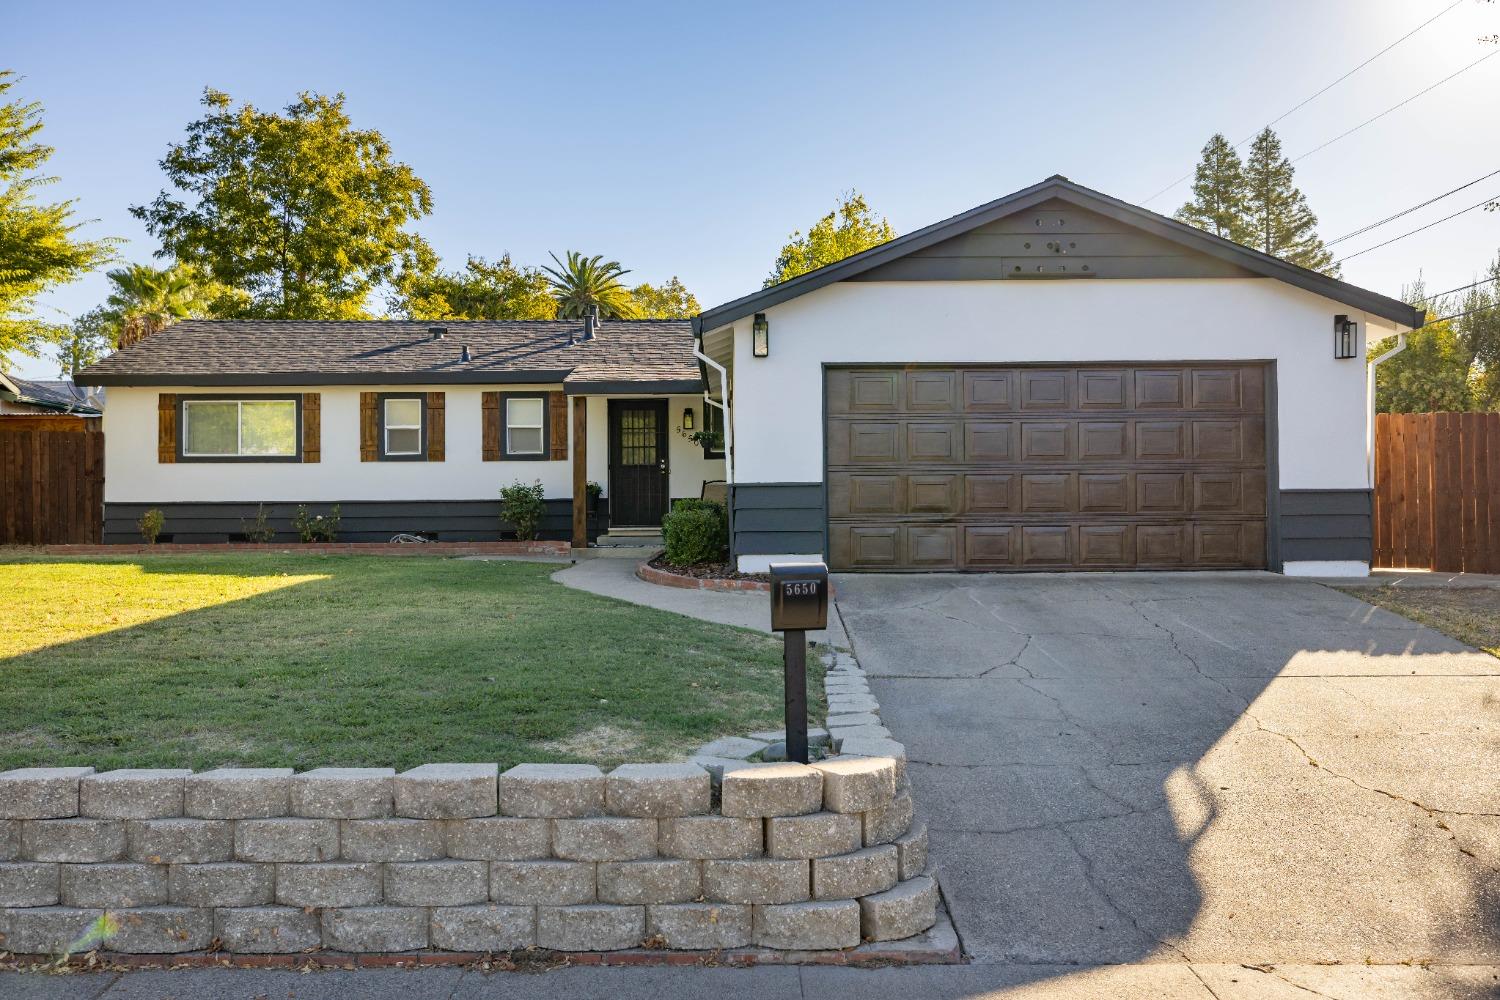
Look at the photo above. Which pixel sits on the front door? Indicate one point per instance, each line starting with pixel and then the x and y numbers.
pixel 637 462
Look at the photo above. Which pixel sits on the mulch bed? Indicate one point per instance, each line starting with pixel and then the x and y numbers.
pixel 707 571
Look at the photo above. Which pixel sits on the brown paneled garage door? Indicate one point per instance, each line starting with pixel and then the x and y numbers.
pixel 984 468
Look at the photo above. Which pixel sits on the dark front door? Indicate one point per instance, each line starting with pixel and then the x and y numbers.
pixel 637 462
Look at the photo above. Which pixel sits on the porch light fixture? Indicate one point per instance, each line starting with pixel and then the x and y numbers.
pixel 760 336
pixel 688 416
pixel 1344 340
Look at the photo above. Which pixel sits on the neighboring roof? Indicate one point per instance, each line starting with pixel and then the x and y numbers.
pixel 50 394
pixel 623 356
pixel 1061 188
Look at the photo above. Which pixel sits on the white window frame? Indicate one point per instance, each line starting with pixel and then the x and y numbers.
pixel 386 426
pixel 238 455
pixel 540 426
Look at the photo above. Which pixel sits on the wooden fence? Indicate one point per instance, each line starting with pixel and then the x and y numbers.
pixel 1437 491
pixel 51 487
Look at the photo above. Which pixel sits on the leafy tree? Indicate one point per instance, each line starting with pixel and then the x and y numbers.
pixel 147 299
pixel 587 283
pixel 301 210
pixel 1277 217
pixel 1429 375
pixel 482 290
pixel 1218 202
pixel 847 230
pixel 1478 327
pixel 39 245
pixel 84 341
pixel 669 301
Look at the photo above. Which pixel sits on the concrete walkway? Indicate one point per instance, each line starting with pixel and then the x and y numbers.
pixel 616 578
pixel 1182 769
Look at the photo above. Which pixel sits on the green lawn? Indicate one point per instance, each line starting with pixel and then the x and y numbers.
pixel 299 660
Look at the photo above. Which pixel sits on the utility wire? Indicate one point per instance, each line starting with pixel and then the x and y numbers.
pixel 1461 288
pixel 1394 107
pixel 1408 211
pixel 1301 104
pixel 1419 229
pixel 1444 319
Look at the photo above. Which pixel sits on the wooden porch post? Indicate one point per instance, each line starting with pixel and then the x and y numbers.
pixel 580 473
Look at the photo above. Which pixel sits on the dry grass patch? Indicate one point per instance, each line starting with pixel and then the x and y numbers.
pixel 1468 614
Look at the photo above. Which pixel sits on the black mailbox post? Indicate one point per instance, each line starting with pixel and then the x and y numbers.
pixel 799 604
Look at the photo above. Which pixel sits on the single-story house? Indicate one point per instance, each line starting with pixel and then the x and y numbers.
pixel 1056 380
pixel 47 404
pixel 409 427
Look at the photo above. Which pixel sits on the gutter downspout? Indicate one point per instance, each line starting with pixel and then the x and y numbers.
pixel 1370 393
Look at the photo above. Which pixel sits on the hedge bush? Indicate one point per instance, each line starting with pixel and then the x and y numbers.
pixel 696 531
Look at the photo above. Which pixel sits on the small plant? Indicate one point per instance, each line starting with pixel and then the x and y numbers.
pixel 595 491
pixel 259 529
pixel 522 507
pixel 98 933
pixel 150 525
pixel 317 527
pixel 696 531
pixel 707 439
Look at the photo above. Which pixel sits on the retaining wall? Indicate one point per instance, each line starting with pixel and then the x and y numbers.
pixel 462 858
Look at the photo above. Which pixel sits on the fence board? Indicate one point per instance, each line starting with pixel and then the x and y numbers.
pixel 51 487
pixel 1437 491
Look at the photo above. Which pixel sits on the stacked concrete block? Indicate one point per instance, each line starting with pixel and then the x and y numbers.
pixel 460 857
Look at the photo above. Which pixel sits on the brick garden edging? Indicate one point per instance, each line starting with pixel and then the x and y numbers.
pixel 460 859
pixel 536 548
pixel 651 574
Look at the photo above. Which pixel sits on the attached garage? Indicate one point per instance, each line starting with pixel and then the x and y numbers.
pixel 987 467
pixel 1053 381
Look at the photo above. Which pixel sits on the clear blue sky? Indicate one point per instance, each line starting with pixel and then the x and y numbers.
pixel 691 138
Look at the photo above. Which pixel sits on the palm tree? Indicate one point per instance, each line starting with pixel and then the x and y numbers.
pixel 586 283
pixel 148 299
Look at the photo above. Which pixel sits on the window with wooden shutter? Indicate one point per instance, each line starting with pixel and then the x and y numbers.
pixel 436 404
pixel 312 427
pixel 166 427
pixel 369 427
pixel 557 408
pixel 489 412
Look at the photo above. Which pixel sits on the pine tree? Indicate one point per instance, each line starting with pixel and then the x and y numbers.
pixel 1279 221
pixel 1218 202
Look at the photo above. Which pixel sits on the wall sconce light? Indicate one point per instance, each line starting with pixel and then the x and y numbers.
pixel 689 415
pixel 1344 339
pixel 760 336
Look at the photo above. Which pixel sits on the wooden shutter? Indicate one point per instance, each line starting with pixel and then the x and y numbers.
pixel 489 412
pixel 557 412
pixel 436 404
pixel 369 427
pixel 166 427
pixel 312 427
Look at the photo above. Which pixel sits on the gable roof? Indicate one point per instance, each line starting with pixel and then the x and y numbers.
pixel 1060 188
pixel 51 394
pixel 623 356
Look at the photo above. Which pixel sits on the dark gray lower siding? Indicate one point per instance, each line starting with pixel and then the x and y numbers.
pixel 359 520
pixel 769 518
pixel 1326 525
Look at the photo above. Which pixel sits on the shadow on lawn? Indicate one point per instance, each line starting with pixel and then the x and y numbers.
pixel 373 661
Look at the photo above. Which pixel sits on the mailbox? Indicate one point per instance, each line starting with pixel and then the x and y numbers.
pixel 799 597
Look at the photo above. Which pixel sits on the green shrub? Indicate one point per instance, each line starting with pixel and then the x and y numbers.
pixel 523 507
pixel 260 529
pixel 150 524
pixel 317 527
pixel 696 531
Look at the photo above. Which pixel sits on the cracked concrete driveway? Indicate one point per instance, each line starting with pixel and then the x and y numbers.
pixel 1223 768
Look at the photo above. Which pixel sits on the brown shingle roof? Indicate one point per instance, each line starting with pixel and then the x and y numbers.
pixel 625 355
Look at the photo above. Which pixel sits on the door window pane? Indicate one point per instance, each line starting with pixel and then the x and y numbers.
pixel 268 427
pixel 212 428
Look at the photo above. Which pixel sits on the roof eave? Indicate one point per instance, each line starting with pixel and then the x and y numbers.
pixel 227 379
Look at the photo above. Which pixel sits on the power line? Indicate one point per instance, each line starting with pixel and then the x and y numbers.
pixel 1461 288
pixel 1301 104
pixel 1408 211
pixel 1419 229
pixel 1444 319
pixel 1395 107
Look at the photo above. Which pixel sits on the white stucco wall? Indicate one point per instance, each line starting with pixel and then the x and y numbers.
pixel 1321 402
pixel 133 474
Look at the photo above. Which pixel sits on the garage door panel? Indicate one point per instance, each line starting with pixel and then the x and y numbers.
pixel 1100 466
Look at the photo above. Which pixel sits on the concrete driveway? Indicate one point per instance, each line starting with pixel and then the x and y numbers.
pixel 1215 768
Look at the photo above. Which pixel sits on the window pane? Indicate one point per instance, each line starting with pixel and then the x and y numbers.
pixel 268 427
pixel 211 428
pixel 524 413
pixel 403 440
pixel 524 441
pixel 403 413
